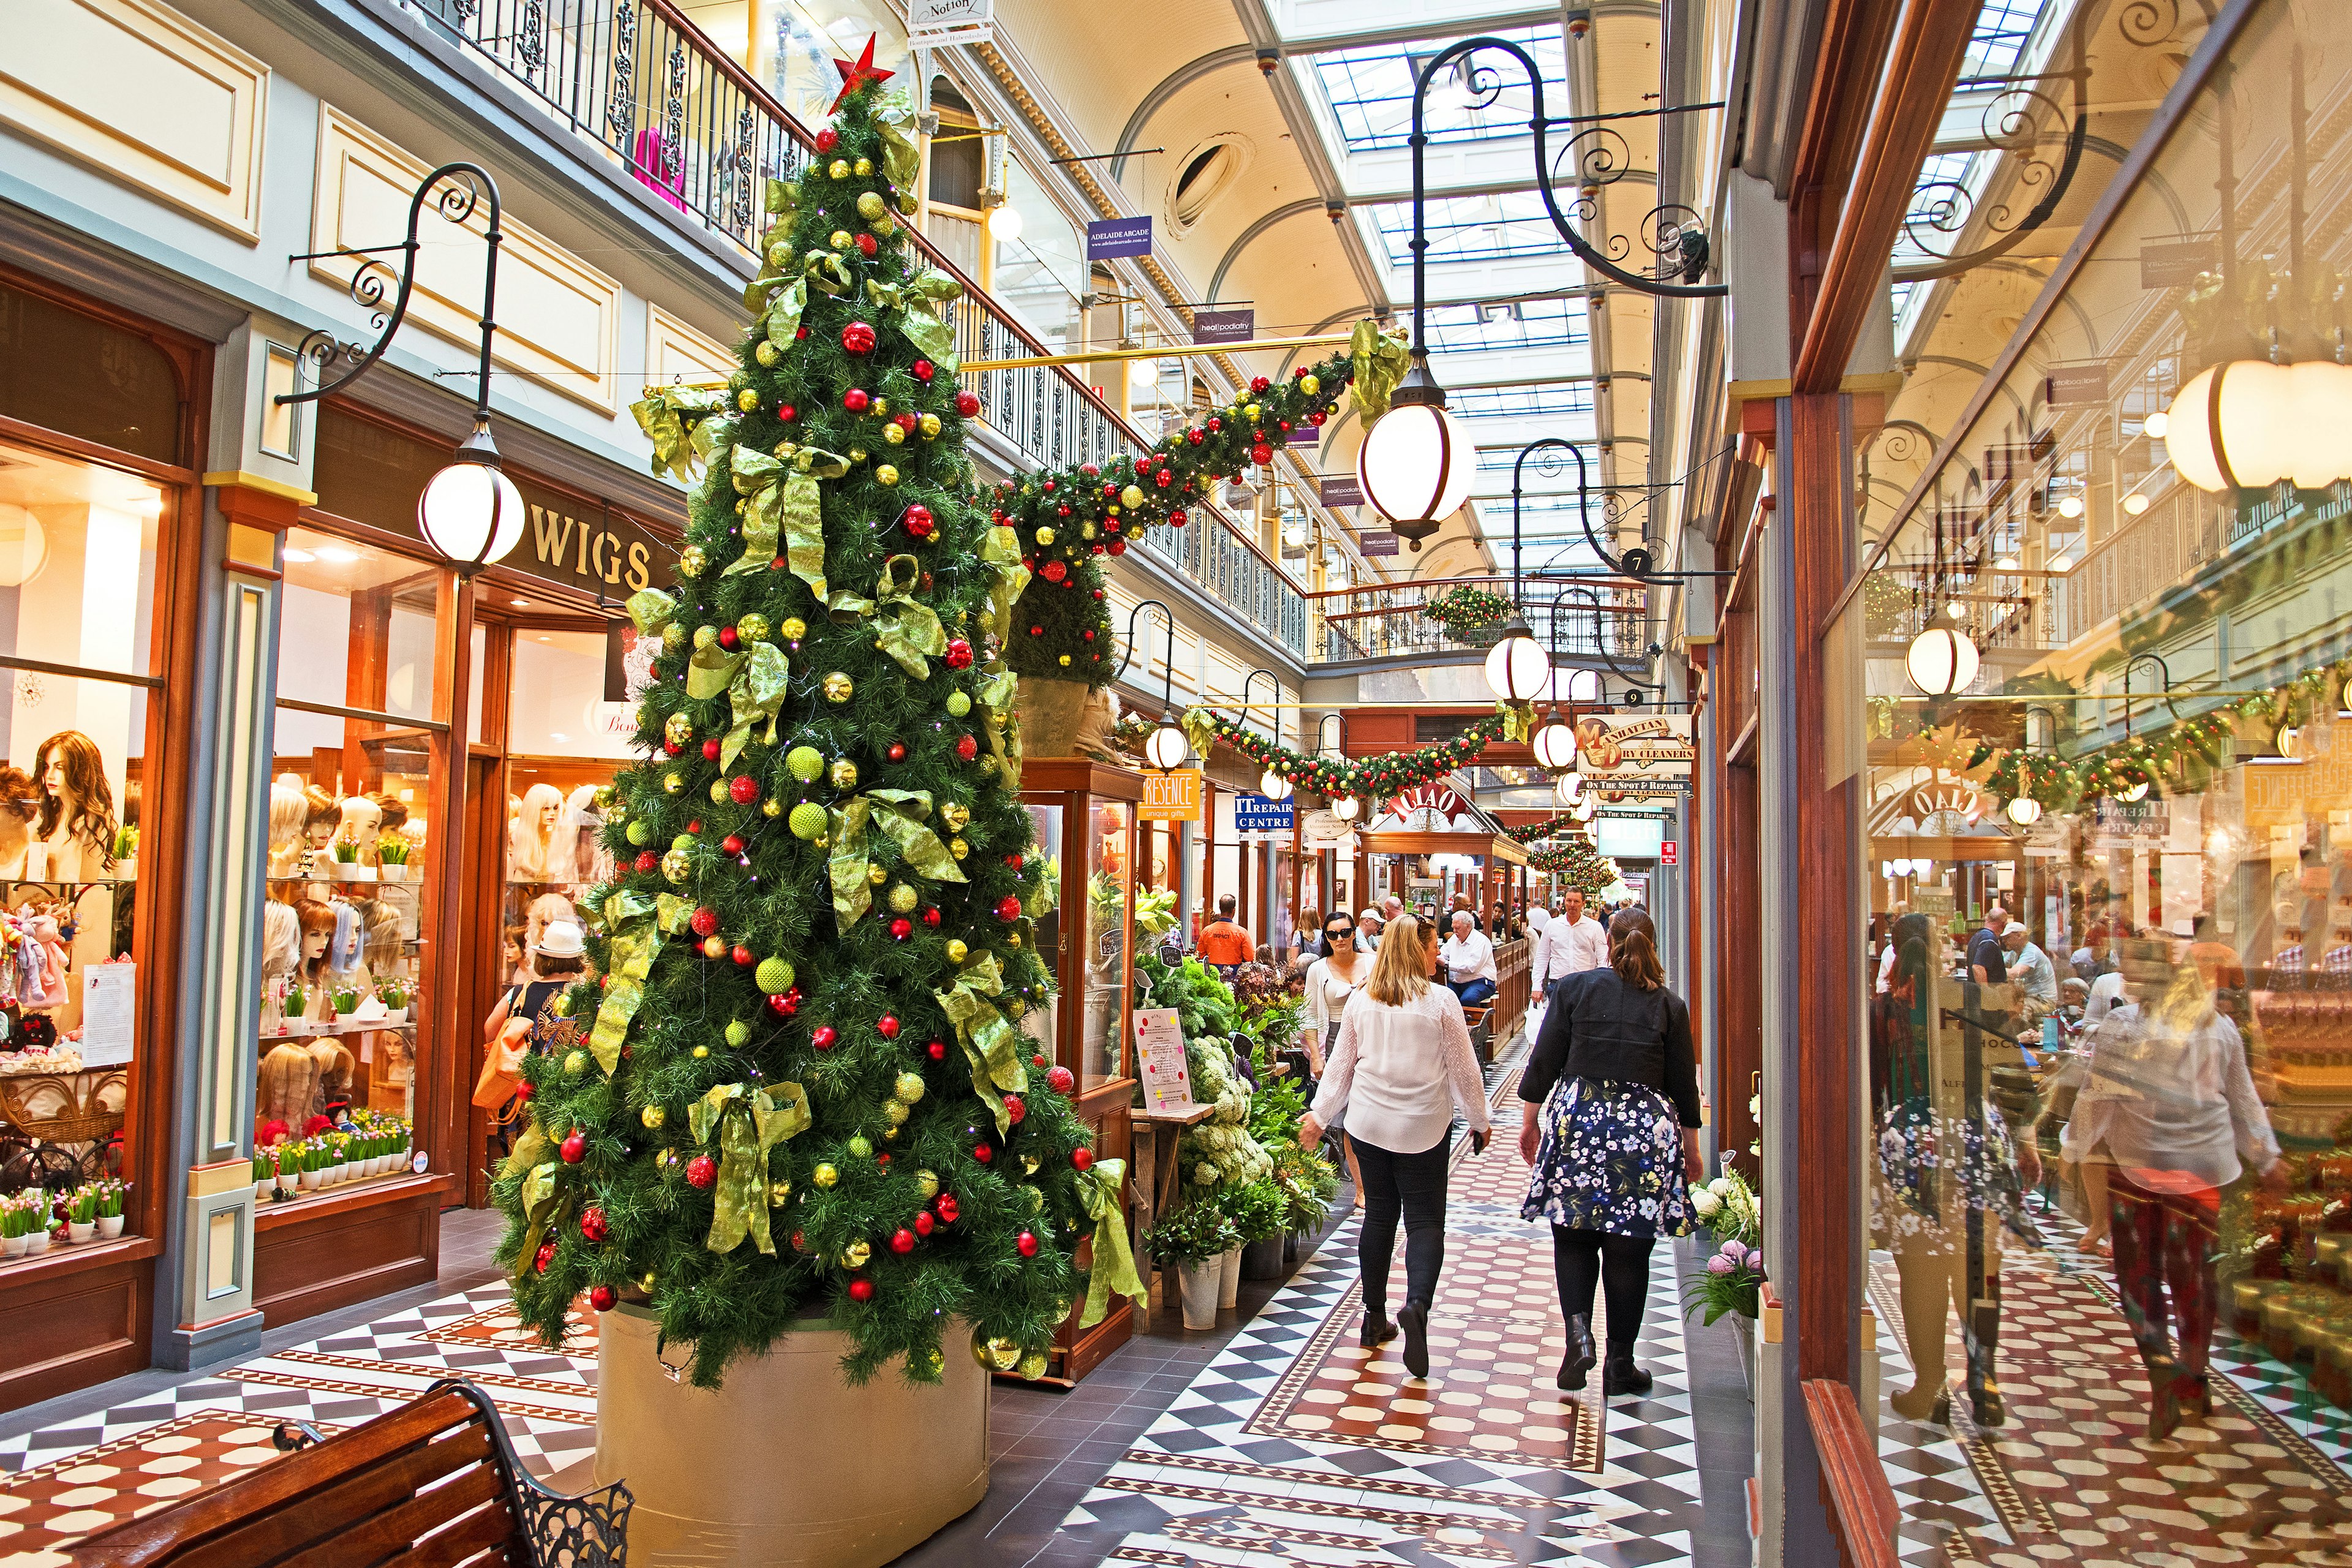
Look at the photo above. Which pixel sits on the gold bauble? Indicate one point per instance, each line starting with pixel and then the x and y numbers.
pixel 838 686
pixel 825 1175
pixel 927 1183
pixel 908 1088
pixel 1043 536
pixel 1087 530
pixel 714 946
pixel 793 629
pixel 838 169
pixel 701 1051
pixel 672 784
pixel 875 875
pixel 884 225
pixel 646 1282
pixel 929 425
pixel 957 950
pixel 1003 1354
pixel 705 635
pixel 562 1005
pixel 718 795
pixel 893 437
pixel 747 400
pixel 1131 496
pixel 778 1192
pixel 691 561
pixel 902 899
pixel 864 167
pixel 857 454
pixel 895 1111
pixel 839 239
pixel 1310 385
pixel 1014 940
pixel 958 848
pixel 771 806
pixel 1065 659
pixel 673 637
pixel 575 1063
pixel 1032 1365
pixel 843 773
pixel 878 408
pixel 780 255
pixel 1029 1164
pixel 889 1135
pixel 1036 1195
pixel 870 205
pixel 1253 412
pixel 653 1116
pixel 767 353
pixel 677 729
pixel 954 814
pixel 855 1254
pixel 753 627
pixel 677 865
pixel 884 474
pixel 980 1352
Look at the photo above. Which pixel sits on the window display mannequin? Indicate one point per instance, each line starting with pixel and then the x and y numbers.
pixel 542 849
pixel 315 972
pixel 323 817
pixel 289 1088
pixel 76 807
pixel 20 807
pixel 362 824
pixel 590 861
pixel 547 909
pixel 289 813
pixel 281 940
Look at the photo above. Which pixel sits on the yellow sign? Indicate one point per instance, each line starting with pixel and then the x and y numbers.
pixel 1171 797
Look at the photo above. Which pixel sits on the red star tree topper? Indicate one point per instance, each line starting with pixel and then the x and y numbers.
pixel 854 73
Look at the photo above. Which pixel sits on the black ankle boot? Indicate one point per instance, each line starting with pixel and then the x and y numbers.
pixel 1413 1319
pixel 1619 1375
pixel 1579 1357
pixel 1378 1331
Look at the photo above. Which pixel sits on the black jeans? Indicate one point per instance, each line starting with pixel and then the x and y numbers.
pixel 1414 1186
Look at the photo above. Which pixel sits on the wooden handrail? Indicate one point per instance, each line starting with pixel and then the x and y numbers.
pixel 1472 580
pixel 1860 1503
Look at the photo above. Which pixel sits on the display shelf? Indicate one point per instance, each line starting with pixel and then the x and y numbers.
pixel 120 1246
pixel 343 1026
pixel 299 1197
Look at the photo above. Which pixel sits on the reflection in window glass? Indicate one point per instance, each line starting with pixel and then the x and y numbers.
pixel 1043 1020
pixel 1110 892
pixel 77 563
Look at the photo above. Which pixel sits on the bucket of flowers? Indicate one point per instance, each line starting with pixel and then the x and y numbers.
pixel 1467 615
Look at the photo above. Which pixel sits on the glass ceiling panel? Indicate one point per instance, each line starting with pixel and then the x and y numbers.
pixel 1489 227
pixel 1932 196
pixel 2001 31
pixel 1519 402
pixel 1370 92
pixel 1514 324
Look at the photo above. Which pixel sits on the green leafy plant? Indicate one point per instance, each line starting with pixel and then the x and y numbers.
pixel 81 1203
pixel 1466 609
pixel 1155 913
pixel 126 842
pixel 1732 1281
pixel 1257 1208
pixel 1190 1234
pixel 1309 1181
pixel 110 1194
pixel 347 851
pixel 392 850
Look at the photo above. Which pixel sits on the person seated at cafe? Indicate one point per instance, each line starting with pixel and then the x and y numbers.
pixel 1468 956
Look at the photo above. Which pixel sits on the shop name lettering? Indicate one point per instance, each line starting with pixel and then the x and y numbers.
pixel 567 545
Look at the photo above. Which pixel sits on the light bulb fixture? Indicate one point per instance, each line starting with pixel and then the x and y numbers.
pixel 1568 788
pixel 2070 507
pixel 1166 748
pixel 2344 696
pixel 1346 807
pixel 1584 808
pixel 2133 792
pixel 1942 661
pixel 2134 504
pixel 1003 222
pixel 1273 786
pixel 2005 563
pixel 1956 610
pixel 2248 424
pixel 1518 671
pixel 24 545
pixel 2062 563
pixel 1414 465
pixel 470 512
pixel 1555 745
pixel 2025 811
pixel 2156 426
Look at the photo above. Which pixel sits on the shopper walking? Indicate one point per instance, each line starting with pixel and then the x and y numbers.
pixel 1610 1076
pixel 1224 944
pixel 1399 1065
pixel 1331 982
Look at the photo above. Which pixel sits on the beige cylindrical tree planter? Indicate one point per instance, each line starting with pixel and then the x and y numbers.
pixel 785 1466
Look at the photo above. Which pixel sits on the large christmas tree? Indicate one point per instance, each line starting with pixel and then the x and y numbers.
pixel 801 1090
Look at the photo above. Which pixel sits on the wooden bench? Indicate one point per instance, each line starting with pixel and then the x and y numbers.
pixel 434 1484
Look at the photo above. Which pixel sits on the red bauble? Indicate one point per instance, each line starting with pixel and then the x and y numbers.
pixel 1058 1080
pixel 782 1006
pixel 959 654
pixel 855 400
pixel 984 1153
pixel 1016 1110
pixel 593 1224
pixel 1261 453
pixel 574 1147
pixel 931 915
pixel 745 956
pixel 744 789
pixel 947 1209
pixel 938 1050
pixel 702 1171
pixel 799 1242
pixel 924 370
pixel 888 1026
pixel 901 928
pixel 671 748
pixel 705 920
pixel 1053 571
pixel 967 748
pixel 1083 1158
pixel 1176 519
pixel 857 338
pixel 827 139
pixel 728 637
pixel 694 826
pixel 924 1223
pixel 967 404
pixel 787 413
pixel 1316 419
pixel 1008 909
pixel 918 521
pixel 1259 383
pixel 823 1037
pixel 647 860
pixel 1027 1244
pixel 867 245
pixel 546 1256
pixel 902 1240
pixel 710 750
pixel 861 1289
pixel 904 421
pixel 1164 478
pixel 603 1298
pixel 523 1091
pixel 1215 424
pixel 1116 547
pixel 897 752
pixel 731 845
pixel 1036 1059
pixel 1194 437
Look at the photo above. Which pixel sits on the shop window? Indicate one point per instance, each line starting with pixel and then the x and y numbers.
pixel 122 390
pixel 352 806
pixel 78 553
pixel 564 742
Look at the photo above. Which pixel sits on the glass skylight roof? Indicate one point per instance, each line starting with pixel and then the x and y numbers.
pixel 1519 324
pixel 1519 402
pixel 1371 91
pixel 1487 228
pixel 2002 29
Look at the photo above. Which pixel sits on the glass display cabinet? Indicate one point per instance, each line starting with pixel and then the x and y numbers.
pixel 1085 816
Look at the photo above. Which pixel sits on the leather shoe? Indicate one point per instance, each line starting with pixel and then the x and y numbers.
pixel 1619 1375
pixel 1413 1319
pixel 1579 1359
pixel 1378 1331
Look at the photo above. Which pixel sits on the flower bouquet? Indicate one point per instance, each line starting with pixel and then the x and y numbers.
pixel 392 858
pixel 1733 1282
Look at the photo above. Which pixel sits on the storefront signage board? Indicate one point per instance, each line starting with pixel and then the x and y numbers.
pixel 935 24
pixel 1256 814
pixel 1170 797
pixel 1626 751
pixel 1160 1046
pixel 2132 819
pixel 2070 384
pixel 2174 265
pixel 1109 238
pixel 1322 830
pixel 1340 489
pixel 1371 544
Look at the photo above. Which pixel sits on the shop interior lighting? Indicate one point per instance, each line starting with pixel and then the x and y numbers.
pixel 2289 741
pixel 1942 661
pixel 2025 811
pixel 2005 563
pixel 2134 504
pixel 2248 424
pixel 2062 563
pixel 1415 465
pixel 2156 424
pixel 2070 507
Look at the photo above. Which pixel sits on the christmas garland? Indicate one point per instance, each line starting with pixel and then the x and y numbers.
pixel 1375 778
pixel 1467 609
pixel 1576 862
pixel 1544 829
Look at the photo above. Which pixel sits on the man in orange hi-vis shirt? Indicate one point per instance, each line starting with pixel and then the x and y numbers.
pixel 1226 944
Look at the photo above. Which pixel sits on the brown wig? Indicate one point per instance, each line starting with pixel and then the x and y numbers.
pixel 86 779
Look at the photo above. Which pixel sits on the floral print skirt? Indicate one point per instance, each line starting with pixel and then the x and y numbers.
pixel 1610 1160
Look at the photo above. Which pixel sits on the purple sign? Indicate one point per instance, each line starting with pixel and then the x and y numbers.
pixel 1114 237
pixel 1224 326
pixel 1372 545
pixel 1305 435
pixel 1340 489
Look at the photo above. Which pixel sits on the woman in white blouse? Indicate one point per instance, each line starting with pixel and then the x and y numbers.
pixel 1331 979
pixel 1399 1066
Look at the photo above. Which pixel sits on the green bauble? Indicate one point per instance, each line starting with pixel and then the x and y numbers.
pixel 806 763
pixel 1032 1365
pixel 739 1031
pixel 807 820
pixel 959 703
pixel 575 1063
pixel 909 1089
pixel 927 1183
pixel 774 976
pixel 860 1147
pixel 639 833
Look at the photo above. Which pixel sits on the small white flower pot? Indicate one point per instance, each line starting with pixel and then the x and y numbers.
pixel 78 1231
pixel 13 1246
pixel 39 1242
pixel 339 1172
pixel 110 1226
pixel 1229 1279
pixel 312 1180
pixel 263 1188
pixel 392 873
pixel 127 869
pixel 353 871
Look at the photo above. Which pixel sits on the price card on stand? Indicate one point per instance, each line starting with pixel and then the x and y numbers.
pixel 1159 1040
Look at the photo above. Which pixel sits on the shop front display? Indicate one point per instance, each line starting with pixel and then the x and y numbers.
pixel 1438 855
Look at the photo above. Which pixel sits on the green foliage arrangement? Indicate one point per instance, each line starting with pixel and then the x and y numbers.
pixel 1257 1208
pixel 802 1087
pixel 1466 609
pixel 1192 1233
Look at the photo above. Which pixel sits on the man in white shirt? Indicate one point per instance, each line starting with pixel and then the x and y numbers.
pixel 1571 943
pixel 1469 960
pixel 2031 970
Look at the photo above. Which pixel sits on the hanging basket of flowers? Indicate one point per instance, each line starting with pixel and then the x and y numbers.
pixel 1469 615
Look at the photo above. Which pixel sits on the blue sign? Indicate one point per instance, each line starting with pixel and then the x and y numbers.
pixel 1256 814
pixel 1113 237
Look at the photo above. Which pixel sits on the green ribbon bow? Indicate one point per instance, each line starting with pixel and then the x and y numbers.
pixel 635 938
pixel 901 159
pixel 916 302
pixel 907 628
pixel 529 1149
pixel 1101 1188
pixel 764 482
pixel 709 670
pixel 899 814
pixel 748 1123
pixel 1200 727
pixel 757 694
pixel 991 1043
pixel 675 419
pixel 784 205
pixel 1001 549
pixel 1518 720
pixel 1381 361
pixel 822 270
pixel 539 1201
pixel 997 693
pixel 652 610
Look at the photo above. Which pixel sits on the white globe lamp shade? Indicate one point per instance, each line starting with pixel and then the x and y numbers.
pixel 2133 792
pixel 1273 786
pixel 2246 424
pixel 1556 746
pixel 1942 661
pixel 1415 465
pixel 1570 787
pixel 24 546
pixel 1165 748
pixel 470 512
pixel 2290 742
pixel 1346 807
pixel 1005 224
pixel 1517 669
pixel 2025 811
pixel 1586 807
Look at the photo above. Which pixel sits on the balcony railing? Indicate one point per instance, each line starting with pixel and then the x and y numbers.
pixel 1387 622
pixel 641 83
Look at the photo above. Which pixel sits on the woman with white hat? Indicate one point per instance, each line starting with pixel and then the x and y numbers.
pixel 557 958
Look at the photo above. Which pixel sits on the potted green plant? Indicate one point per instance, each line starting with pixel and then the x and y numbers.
pixel 291 1009
pixel 111 1196
pixel 264 1174
pixel 392 858
pixel 13 1240
pixel 81 1214
pixel 392 992
pixel 347 1001
pixel 338 1158
pixel 310 1159
pixel 1194 1239
pixel 1256 1209
pixel 126 853
pixel 347 862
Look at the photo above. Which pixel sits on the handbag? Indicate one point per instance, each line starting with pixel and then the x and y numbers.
pixel 502 1062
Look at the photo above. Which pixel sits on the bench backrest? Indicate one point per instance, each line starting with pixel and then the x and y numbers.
pixel 423 1484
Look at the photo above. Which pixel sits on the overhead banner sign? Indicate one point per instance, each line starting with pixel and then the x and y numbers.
pixel 1371 544
pixel 1111 238
pixel 1340 489
pixel 2077 384
pixel 1256 814
pixel 1224 326
pixel 2174 265
pixel 1635 752
pixel 935 24
pixel 1171 797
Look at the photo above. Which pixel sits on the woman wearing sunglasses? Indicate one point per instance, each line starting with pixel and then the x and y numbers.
pixel 1331 979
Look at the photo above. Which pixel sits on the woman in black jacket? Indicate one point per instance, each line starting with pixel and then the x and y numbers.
pixel 1612 1074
